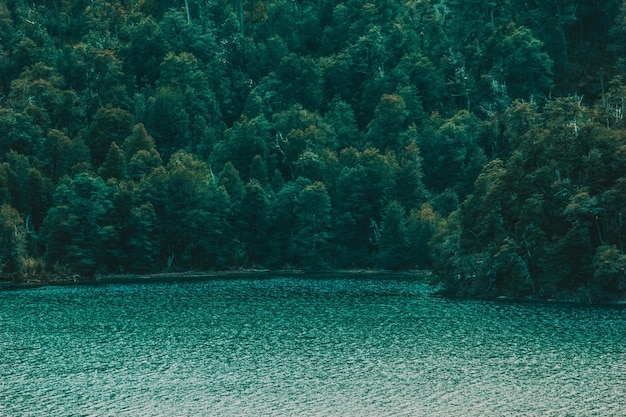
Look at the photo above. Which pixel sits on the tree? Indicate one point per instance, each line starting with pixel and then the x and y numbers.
pixel 421 226
pixel 12 241
pixel 138 140
pixel 283 223
pixel 39 200
pixel 301 81
pixel 312 225
pixel 418 71
pixel 452 156
pixel 512 275
pixel 393 235
pixel 110 124
pixel 340 117
pixel 364 186
pixel 75 228
pixel 114 166
pixel 609 278
pixel 242 142
pixel 522 64
pixel 142 247
pixel 389 120
pixel 20 133
pixel 258 170
pixel 231 181
pixel 39 93
pixel 168 120
pixel 184 112
pixel 253 223
pixel 297 130
pixel 143 51
pixel 97 73
pixel 64 156
pixel 410 190
pixel 18 167
pixel 7 38
pixel 191 217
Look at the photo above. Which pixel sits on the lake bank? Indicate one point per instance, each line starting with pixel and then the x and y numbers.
pixel 200 275
pixel 577 298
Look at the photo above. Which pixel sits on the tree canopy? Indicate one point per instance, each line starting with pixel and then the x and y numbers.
pixel 483 140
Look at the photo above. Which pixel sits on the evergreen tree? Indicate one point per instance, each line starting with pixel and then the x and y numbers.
pixel 254 222
pixel 312 225
pixel 12 241
pixel 392 243
pixel 76 230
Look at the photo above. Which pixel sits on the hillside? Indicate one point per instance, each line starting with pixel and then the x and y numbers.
pixel 484 140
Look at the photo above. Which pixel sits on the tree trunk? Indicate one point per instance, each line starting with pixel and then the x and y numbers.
pixel 187 11
pixel 240 15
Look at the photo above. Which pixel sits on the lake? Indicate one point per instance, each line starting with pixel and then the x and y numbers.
pixel 303 346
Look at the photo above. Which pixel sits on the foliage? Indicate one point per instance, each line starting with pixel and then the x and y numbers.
pixel 482 140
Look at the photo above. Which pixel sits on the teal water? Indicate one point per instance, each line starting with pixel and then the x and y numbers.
pixel 303 347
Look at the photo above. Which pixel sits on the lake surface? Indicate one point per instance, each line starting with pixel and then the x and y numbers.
pixel 303 347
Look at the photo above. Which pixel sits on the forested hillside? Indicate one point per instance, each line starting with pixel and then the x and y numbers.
pixel 482 139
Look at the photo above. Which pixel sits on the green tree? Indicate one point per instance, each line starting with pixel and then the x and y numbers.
pixel 39 201
pixel 98 74
pixel 60 154
pixel 114 166
pixel 512 275
pixel 392 242
pixel 141 153
pixel 421 226
pixel 242 142
pixel 283 223
pixel 418 71
pixel 253 223
pixel 609 278
pixel 144 49
pixel 40 94
pixel 364 186
pixel 184 112
pixel 389 121
pixel 301 81
pixel 142 243
pixel 298 130
pixel 20 133
pixel 12 241
pixel 312 225
pixel 110 124
pixel 522 64
pixel 231 181
pixel 75 228
pixel 194 213
pixel 138 140
pixel 452 155
pixel 410 190
pixel 340 117
pixel 258 170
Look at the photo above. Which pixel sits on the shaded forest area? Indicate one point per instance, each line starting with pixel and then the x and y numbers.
pixel 482 139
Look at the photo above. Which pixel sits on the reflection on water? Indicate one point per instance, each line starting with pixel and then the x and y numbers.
pixel 303 347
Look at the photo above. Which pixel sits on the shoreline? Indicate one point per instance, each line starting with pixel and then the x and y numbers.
pixel 189 276
pixel 77 280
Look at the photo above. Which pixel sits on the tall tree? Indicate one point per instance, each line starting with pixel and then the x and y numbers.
pixel 110 124
pixel 312 225
pixel 12 242
pixel 76 230
pixel 254 222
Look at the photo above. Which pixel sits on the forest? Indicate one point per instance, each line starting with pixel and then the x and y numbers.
pixel 483 140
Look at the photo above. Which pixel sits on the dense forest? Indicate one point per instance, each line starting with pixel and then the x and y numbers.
pixel 484 140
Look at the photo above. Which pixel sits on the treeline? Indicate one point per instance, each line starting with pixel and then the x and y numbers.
pixel 484 140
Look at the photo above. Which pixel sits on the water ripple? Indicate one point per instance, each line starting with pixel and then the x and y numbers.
pixel 303 347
